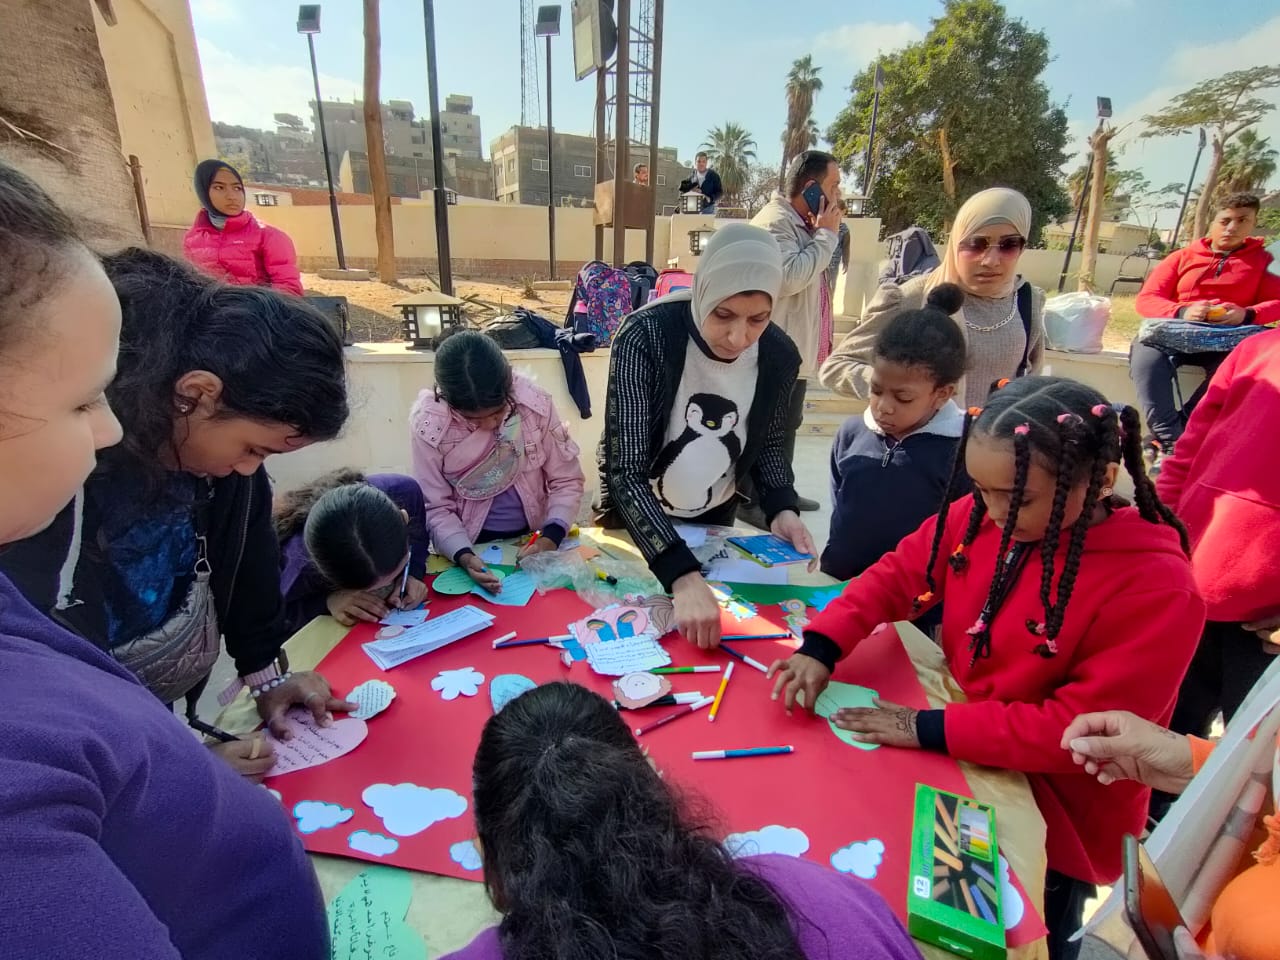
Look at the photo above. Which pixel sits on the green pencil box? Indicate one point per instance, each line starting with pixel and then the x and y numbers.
pixel 954 896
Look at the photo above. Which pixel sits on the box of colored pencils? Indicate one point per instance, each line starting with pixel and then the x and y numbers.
pixel 954 896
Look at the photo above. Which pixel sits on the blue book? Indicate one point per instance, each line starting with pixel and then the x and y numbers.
pixel 769 551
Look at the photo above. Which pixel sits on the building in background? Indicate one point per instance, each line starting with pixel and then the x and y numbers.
pixel 519 159
pixel 459 129
pixel 403 134
pixel 411 177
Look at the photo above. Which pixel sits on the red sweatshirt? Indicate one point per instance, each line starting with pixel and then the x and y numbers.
pixel 1223 480
pixel 1131 627
pixel 1196 273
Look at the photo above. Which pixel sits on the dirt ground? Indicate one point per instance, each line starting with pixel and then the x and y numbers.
pixel 374 318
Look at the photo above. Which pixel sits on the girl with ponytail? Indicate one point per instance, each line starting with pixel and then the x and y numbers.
pixel 587 854
pixel 1060 598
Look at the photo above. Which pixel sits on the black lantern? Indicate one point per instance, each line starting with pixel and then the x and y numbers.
pixel 691 202
pixel 698 240
pixel 427 316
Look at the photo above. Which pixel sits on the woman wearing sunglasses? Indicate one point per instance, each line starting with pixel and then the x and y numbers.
pixel 1003 314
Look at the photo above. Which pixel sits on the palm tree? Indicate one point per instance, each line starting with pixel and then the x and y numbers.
pixel 58 120
pixel 1248 164
pixel 801 131
pixel 731 151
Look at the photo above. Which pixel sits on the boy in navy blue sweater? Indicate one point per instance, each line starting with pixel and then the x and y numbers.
pixel 890 467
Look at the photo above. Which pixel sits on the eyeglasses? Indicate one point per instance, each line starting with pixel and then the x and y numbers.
pixel 979 245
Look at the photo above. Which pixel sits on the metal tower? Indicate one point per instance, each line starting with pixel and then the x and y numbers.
pixel 530 100
pixel 639 34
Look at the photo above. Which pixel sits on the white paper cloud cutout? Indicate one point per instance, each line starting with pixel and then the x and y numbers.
pixel 771 839
pixel 453 683
pixel 862 859
pixel 465 855
pixel 313 815
pixel 374 844
pixel 407 809
pixel 1010 898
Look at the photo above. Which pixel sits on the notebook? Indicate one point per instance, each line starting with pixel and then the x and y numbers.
pixel 769 551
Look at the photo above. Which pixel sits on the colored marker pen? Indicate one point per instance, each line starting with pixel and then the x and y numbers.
pixel 747 752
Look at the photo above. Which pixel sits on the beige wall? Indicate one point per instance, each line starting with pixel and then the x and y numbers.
pixel 501 240
pixel 154 71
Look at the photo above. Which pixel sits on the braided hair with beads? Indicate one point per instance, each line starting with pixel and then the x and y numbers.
pixel 1073 432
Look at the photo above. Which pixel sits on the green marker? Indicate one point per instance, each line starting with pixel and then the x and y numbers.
pixel 704 669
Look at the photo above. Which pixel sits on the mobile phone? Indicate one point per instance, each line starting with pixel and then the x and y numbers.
pixel 813 196
pixel 1148 905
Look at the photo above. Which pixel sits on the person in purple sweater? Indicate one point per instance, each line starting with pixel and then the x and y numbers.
pixel 587 853
pixel 120 835
pixel 345 542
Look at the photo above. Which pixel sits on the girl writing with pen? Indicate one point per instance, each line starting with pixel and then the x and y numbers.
pixel 492 456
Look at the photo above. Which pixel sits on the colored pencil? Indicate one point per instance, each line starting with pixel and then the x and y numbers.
pixel 505 638
pixel 757 636
pixel 669 700
pixel 983 906
pixel 983 872
pixel 746 752
pixel 724 683
pixel 500 642
pixel 968 898
pixel 739 655
pixel 942 856
pixel 683 711
pixel 700 669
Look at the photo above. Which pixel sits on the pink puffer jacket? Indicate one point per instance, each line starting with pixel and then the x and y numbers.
pixel 245 251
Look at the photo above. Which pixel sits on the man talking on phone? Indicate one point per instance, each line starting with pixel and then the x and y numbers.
pixel 805 220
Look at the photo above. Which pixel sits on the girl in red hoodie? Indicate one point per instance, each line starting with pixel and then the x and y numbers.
pixel 1043 533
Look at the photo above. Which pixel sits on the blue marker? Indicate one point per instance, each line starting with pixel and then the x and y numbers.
pixel 748 752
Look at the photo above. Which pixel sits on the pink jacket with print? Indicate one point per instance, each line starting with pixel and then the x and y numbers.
pixel 550 483
pixel 245 251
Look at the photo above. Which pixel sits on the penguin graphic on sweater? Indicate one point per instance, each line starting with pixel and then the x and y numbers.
pixel 687 469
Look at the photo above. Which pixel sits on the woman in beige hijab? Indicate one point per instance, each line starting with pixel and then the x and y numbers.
pixel 1002 316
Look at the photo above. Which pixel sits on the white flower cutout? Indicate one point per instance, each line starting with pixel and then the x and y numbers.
pixel 465 681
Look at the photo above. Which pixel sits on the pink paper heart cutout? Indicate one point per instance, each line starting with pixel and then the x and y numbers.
pixel 312 744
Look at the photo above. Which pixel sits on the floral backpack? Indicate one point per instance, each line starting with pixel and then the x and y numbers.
pixel 601 300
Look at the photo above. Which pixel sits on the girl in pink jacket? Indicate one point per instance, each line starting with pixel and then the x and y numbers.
pixel 492 456
pixel 230 243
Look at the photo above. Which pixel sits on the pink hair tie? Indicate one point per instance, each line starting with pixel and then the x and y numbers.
pixel 1070 418
pixel 1022 430
pixel 977 628
pixel 1101 410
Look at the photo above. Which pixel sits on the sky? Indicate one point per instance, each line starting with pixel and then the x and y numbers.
pixel 727 60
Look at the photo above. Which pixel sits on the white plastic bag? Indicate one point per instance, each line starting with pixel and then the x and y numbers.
pixel 1074 322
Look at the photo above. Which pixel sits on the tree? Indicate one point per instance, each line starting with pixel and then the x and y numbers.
pixel 1247 165
pixel 58 119
pixel 1099 144
pixel 800 132
pixel 378 186
pixel 762 182
pixel 731 151
pixel 1226 104
pixel 963 109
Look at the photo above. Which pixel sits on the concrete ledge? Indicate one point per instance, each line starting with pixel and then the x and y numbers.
pixel 349 274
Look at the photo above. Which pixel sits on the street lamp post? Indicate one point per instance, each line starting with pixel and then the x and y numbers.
pixel 548 25
pixel 1186 194
pixel 440 196
pixel 309 24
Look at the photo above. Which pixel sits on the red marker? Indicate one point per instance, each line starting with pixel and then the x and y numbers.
pixel 704 702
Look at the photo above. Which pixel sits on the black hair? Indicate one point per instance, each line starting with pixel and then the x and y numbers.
pixel 701 154
pixel 587 852
pixel 279 359
pixel 38 243
pixel 810 165
pixel 928 337
pixel 1073 432
pixel 290 511
pixel 354 532
pixel 202 179
pixel 1240 201
pixel 472 374
pixel 637 168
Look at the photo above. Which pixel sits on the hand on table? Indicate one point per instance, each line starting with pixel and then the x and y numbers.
pixel 697 613
pixel 251 757
pixel 415 591
pixel 350 606
pixel 789 527
pixel 887 724
pixel 534 547
pixel 304 688
pixel 1117 745
pixel 799 673
pixel 481 574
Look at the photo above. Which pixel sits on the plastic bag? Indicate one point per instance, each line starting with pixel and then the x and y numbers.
pixel 1075 322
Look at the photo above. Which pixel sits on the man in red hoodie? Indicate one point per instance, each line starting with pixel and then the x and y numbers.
pixel 1224 482
pixel 1221 279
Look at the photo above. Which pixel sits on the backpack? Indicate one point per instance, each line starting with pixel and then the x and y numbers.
pixel 669 281
pixel 513 332
pixel 642 277
pixel 601 299
pixel 911 253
